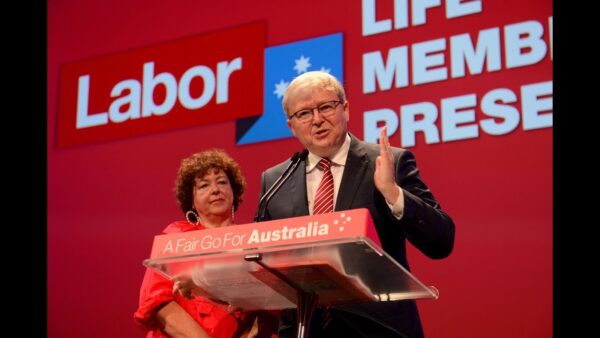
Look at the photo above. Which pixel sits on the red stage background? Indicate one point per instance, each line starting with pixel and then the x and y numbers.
pixel 107 199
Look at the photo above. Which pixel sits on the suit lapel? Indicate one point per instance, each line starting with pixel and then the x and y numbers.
pixel 298 190
pixel 356 166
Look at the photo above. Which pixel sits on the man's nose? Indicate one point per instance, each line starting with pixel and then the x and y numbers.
pixel 317 118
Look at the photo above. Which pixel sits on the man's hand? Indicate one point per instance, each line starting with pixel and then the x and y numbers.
pixel 384 177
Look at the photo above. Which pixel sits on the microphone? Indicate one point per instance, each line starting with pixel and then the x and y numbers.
pixel 295 160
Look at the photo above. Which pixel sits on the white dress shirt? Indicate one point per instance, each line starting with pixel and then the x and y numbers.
pixel 338 161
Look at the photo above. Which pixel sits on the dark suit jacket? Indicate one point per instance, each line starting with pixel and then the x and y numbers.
pixel 424 224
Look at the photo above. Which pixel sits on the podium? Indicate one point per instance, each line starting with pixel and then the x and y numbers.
pixel 300 262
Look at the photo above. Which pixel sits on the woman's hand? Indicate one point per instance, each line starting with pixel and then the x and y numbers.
pixel 184 286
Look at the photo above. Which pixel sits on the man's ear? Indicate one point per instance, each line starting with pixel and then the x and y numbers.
pixel 289 124
pixel 347 111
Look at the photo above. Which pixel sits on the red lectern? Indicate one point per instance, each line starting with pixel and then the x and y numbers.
pixel 299 262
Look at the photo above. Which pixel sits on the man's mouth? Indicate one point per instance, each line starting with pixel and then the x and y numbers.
pixel 321 132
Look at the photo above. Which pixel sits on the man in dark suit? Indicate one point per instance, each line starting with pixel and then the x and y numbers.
pixel 383 179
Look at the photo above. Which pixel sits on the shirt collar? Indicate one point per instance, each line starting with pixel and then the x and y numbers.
pixel 338 159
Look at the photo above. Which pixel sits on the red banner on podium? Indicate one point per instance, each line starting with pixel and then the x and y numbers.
pixel 307 229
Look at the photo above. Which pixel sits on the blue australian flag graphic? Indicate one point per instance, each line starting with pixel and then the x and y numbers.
pixel 282 64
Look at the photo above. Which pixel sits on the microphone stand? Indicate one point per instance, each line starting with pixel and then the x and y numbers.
pixel 306 300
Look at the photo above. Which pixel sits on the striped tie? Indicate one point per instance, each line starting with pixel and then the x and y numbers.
pixel 324 197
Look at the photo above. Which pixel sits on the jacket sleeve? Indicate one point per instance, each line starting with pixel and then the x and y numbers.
pixel 155 292
pixel 424 223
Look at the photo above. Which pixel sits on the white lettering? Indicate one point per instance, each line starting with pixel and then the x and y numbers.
pixel 208 89
pixel 400 14
pixel 180 244
pixel 210 242
pixel 286 233
pixel 149 83
pixel 458 118
pixel 168 247
pixel 409 125
pixel 537 98
pixel 254 237
pixel 550 33
pixel 132 99
pixel 83 119
pixel 419 9
pixel 494 104
pixel 369 24
pixel 524 44
pixel 425 56
pixel 456 8
pixel 396 70
pixel 233 239
pixel 224 70
pixel 487 52
pixel 382 117
pixel 452 117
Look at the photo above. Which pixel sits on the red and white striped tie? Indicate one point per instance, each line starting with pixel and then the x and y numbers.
pixel 324 197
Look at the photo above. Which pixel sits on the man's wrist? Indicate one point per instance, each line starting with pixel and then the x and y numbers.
pixel 397 207
pixel 392 194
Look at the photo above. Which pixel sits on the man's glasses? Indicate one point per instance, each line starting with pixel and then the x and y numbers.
pixel 325 109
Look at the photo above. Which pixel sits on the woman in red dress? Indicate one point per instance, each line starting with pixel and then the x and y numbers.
pixel 209 187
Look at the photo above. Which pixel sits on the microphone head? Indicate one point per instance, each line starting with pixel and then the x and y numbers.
pixel 299 155
pixel 295 156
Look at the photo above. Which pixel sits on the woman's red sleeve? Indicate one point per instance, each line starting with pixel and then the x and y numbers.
pixel 155 292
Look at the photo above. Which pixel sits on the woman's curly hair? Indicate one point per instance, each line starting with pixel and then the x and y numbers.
pixel 198 165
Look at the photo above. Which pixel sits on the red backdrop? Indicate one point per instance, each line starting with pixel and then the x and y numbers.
pixel 106 200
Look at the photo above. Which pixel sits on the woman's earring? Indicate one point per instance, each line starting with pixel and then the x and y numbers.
pixel 192 217
pixel 232 215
